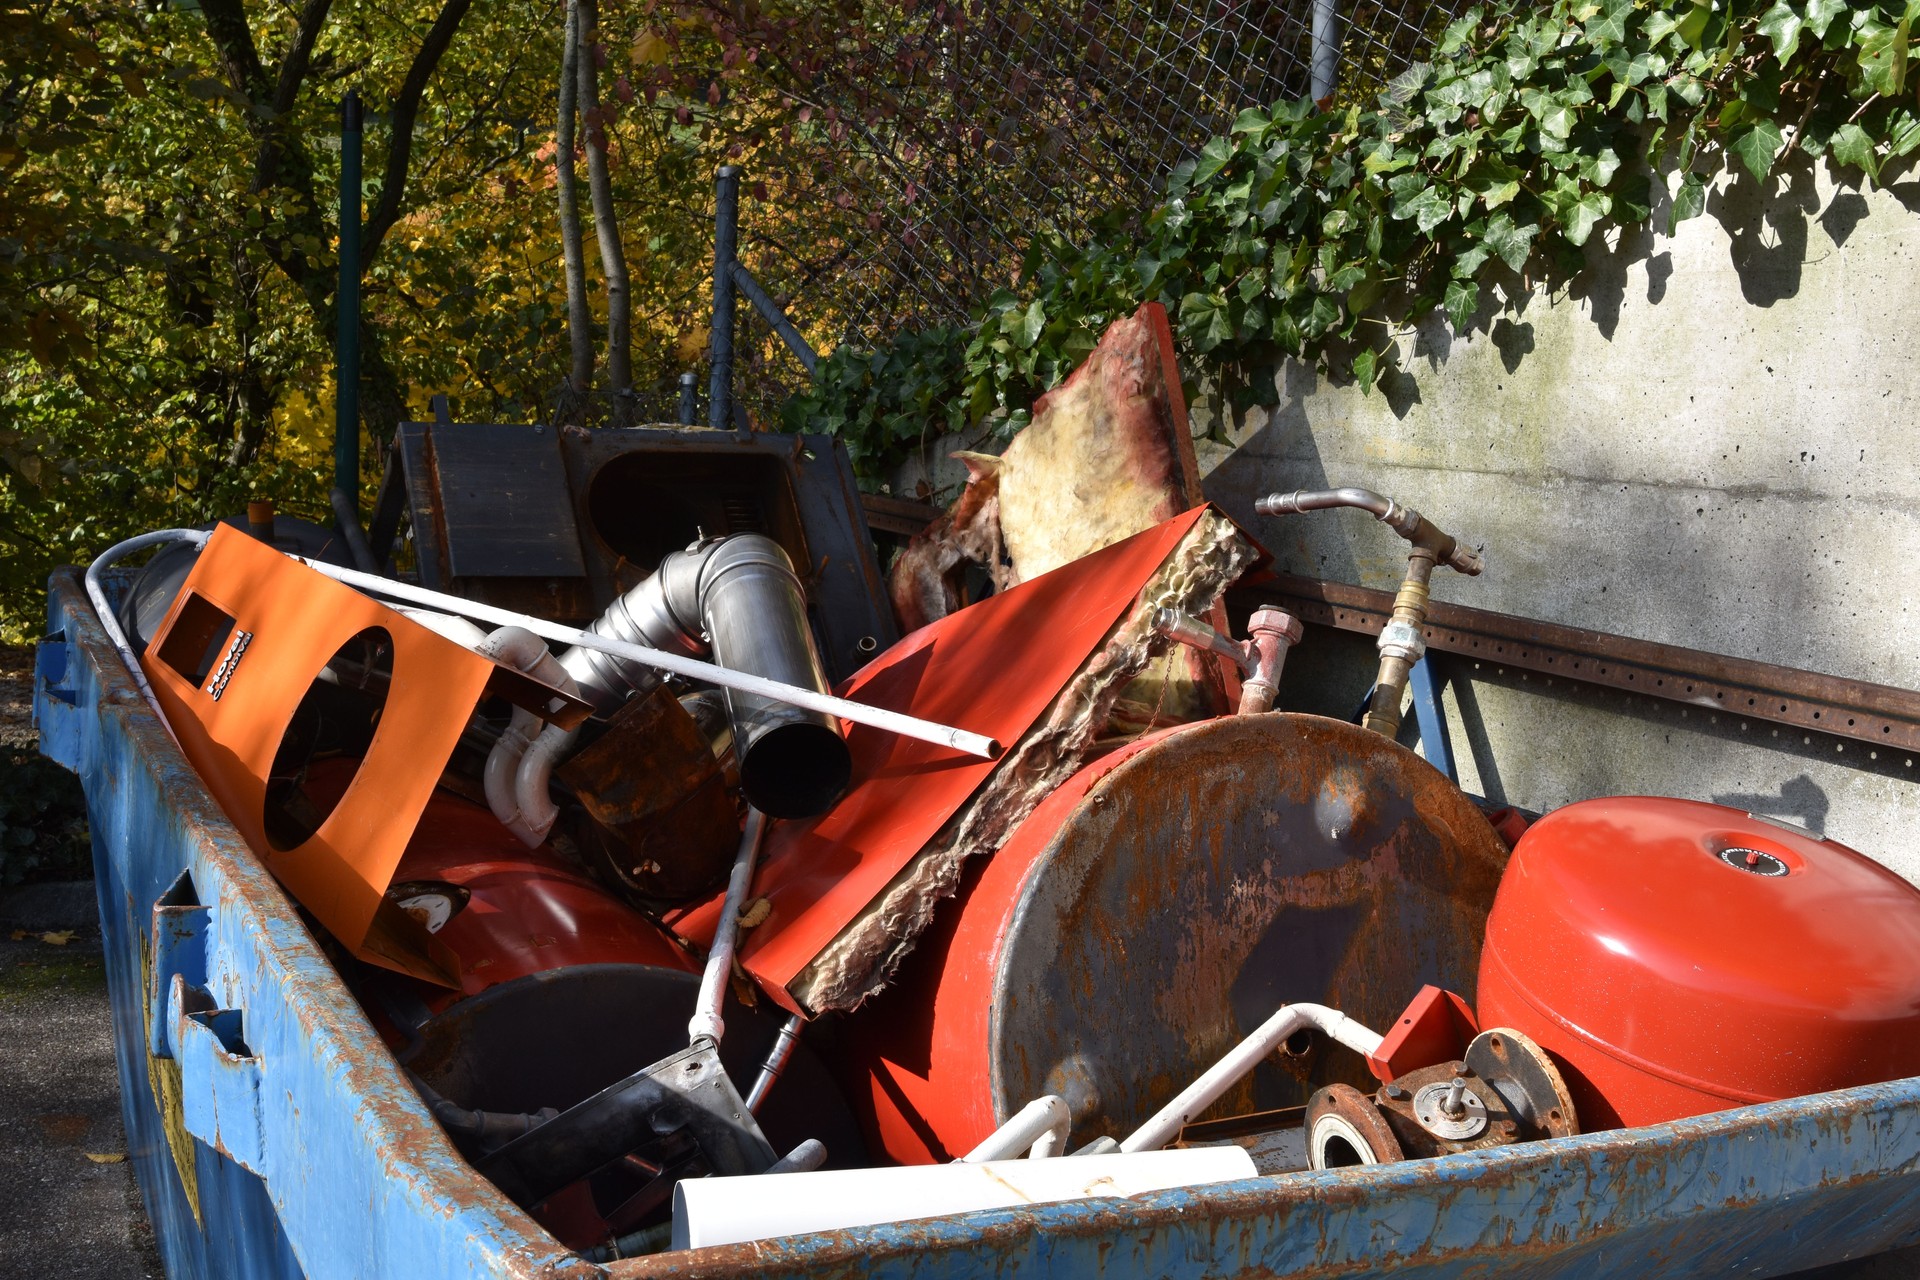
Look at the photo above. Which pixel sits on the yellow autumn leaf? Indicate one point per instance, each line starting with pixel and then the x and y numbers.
pixel 650 48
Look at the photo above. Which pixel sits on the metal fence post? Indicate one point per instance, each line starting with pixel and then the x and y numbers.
pixel 1324 74
pixel 346 386
pixel 689 397
pixel 726 226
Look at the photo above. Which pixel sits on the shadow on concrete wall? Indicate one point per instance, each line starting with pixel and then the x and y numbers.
pixel 1770 228
pixel 1801 800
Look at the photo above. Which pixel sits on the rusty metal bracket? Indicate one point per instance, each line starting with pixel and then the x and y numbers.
pixel 1871 713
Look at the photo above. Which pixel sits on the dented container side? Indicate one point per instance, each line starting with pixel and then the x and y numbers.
pixel 1765 1190
pixel 272 1132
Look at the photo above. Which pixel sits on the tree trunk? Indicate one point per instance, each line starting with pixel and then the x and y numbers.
pixel 382 399
pixel 613 259
pixel 579 320
pixel 282 161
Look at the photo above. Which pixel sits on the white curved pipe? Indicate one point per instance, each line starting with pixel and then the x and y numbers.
pixel 111 625
pixel 1040 1128
pixel 508 778
pixel 501 774
pixel 706 1023
pixel 531 781
pixel 1242 1058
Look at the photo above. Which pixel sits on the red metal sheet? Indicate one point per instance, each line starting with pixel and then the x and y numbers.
pixel 993 668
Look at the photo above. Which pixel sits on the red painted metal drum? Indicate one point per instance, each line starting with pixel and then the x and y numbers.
pixel 1157 908
pixel 1677 958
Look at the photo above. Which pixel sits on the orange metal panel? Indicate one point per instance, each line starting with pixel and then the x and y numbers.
pixel 993 668
pixel 287 621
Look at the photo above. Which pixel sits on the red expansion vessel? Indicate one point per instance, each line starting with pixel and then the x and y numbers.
pixel 1677 958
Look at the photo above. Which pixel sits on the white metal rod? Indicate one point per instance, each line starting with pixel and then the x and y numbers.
pixel 706 1022
pixel 1039 1128
pixel 974 744
pixel 1242 1058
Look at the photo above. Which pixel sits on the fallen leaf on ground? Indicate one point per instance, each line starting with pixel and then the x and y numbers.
pixel 107 1157
pixel 58 937
pixel 18 935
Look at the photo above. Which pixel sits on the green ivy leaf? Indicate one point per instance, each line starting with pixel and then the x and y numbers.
pixel 1365 365
pixel 1633 199
pixel 1609 27
pixel 1213 158
pixel 1494 181
pixel 1883 58
pixel 1758 147
pixel 1252 120
pixel 1032 321
pixel 1146 268
pixel 1510 240
pixel 1690 201
pixel 1851 145
pixel 1551 112
pixel 1692 27
pixel 1364 294
pixel 1463 299
pixel 1428 208
pixel 1903 134
pixel 1584 213
pixel 1781 24
pixel 1322 314
pixel 1471 259
pixel 1822 12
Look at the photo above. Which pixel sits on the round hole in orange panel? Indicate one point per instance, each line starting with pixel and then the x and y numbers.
pixel 323 744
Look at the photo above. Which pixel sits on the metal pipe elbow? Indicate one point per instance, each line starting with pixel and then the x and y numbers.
pixel 739 599
pixel 1403 520
pixel 793 762
pixel 513 773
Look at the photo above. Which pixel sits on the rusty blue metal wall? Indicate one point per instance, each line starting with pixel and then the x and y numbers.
pixel 311 1154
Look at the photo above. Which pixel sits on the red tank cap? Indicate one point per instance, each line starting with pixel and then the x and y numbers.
pixel 1691 944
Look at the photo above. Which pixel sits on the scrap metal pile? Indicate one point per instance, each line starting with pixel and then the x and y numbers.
pixel 663 867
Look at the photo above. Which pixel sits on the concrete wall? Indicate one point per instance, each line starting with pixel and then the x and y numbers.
pixel 1707 440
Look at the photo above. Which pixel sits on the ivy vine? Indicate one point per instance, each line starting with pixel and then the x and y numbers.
pixel 1313 235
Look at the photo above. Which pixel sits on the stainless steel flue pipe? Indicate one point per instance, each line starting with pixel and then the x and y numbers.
pixel 739 600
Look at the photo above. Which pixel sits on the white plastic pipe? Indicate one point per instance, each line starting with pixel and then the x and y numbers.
pixel 706 1022
pixel 531 781
pixel 1039 1128
pixel 525 652
pixel 710 1211
pixel 973 744
pixel 1224 1074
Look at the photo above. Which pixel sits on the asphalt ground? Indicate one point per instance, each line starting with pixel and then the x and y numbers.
pixel 68 1202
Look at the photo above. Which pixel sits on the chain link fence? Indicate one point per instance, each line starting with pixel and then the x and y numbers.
pixel 966 132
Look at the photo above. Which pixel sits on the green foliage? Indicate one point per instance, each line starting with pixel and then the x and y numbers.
pixel 1315 235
